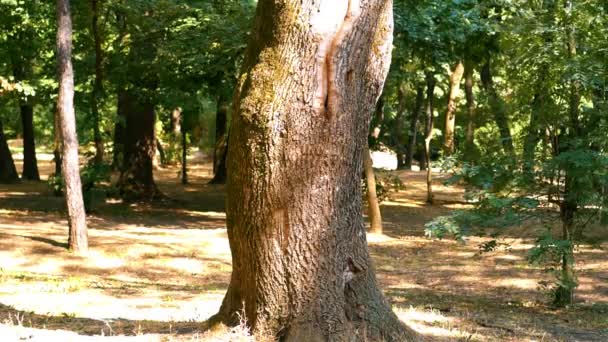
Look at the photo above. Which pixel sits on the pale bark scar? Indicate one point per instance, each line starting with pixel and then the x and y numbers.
pixel 332 33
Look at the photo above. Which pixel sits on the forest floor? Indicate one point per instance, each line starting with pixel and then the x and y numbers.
pixel 156 271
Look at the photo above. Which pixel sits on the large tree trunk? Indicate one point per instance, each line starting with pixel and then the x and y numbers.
pixel 428 135
pixel 8 172
pixel 497 106
pixel 411 149
pixel 136 177
pixel 469 148
pixel 77 240
pixel 450 115
pixel 374 214
pixel 98 83
pixel 310 81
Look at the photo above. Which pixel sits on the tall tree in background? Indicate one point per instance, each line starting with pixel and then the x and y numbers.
pixel 413 132
pixel 428 133
pixel 450 115
pixel 469 145
pixel 22 70
pixel 8 172
pixel 497 106
pixel 97 91
pixel 373 206
pixel 310 81
pixel 137 107
pixel 77 241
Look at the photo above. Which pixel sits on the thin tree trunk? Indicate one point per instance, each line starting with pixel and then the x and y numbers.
pixel 399 130
pixel 8 172
pixel 30 164
pixel 497 106
pixel 301 267
pixel 21 71
pixel 184 155
pixel 57 144
pixel 411 150
pixel 221 142
pixel 98 84
pixel 564 294
pixel 428 132
pixel 119 131
pixel 77 240
pixel 450 115
pixel 375 216
pixel 470 148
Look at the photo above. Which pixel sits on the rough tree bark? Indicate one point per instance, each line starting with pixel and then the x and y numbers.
pixel 428 134
pixel 469 148
pixel 77 240
pixel 310 80
pixel 411 149
pixel 374 213
pixel 97 92
pixel 497 106
pixel 136 180
pixel 450 115
pixel 8 172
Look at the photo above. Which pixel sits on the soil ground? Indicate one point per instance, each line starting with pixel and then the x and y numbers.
pixel 156 271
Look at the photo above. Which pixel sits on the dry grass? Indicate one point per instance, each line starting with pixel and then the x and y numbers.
pixel 157 271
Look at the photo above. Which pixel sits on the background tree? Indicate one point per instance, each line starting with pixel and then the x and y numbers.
pixel 77 241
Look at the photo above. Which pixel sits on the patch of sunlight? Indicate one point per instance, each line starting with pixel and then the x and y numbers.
pixel 101 260
pixel 508 257
pixel 409 204
pixel 594 265
pixel 49 266
pixel 456 205
pixel 154 306
pixel 407 286
pixel 426 316
pixel 430 323
pixel 185 264
pixel 208 214
pixel 17 194
pixel 520 283
pixel 458 254
pixel 379 238
pixel 9 261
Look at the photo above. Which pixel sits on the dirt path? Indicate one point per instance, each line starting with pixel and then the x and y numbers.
pixel 159 270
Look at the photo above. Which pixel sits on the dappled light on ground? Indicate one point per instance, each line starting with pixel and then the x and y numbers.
pixel 163 268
